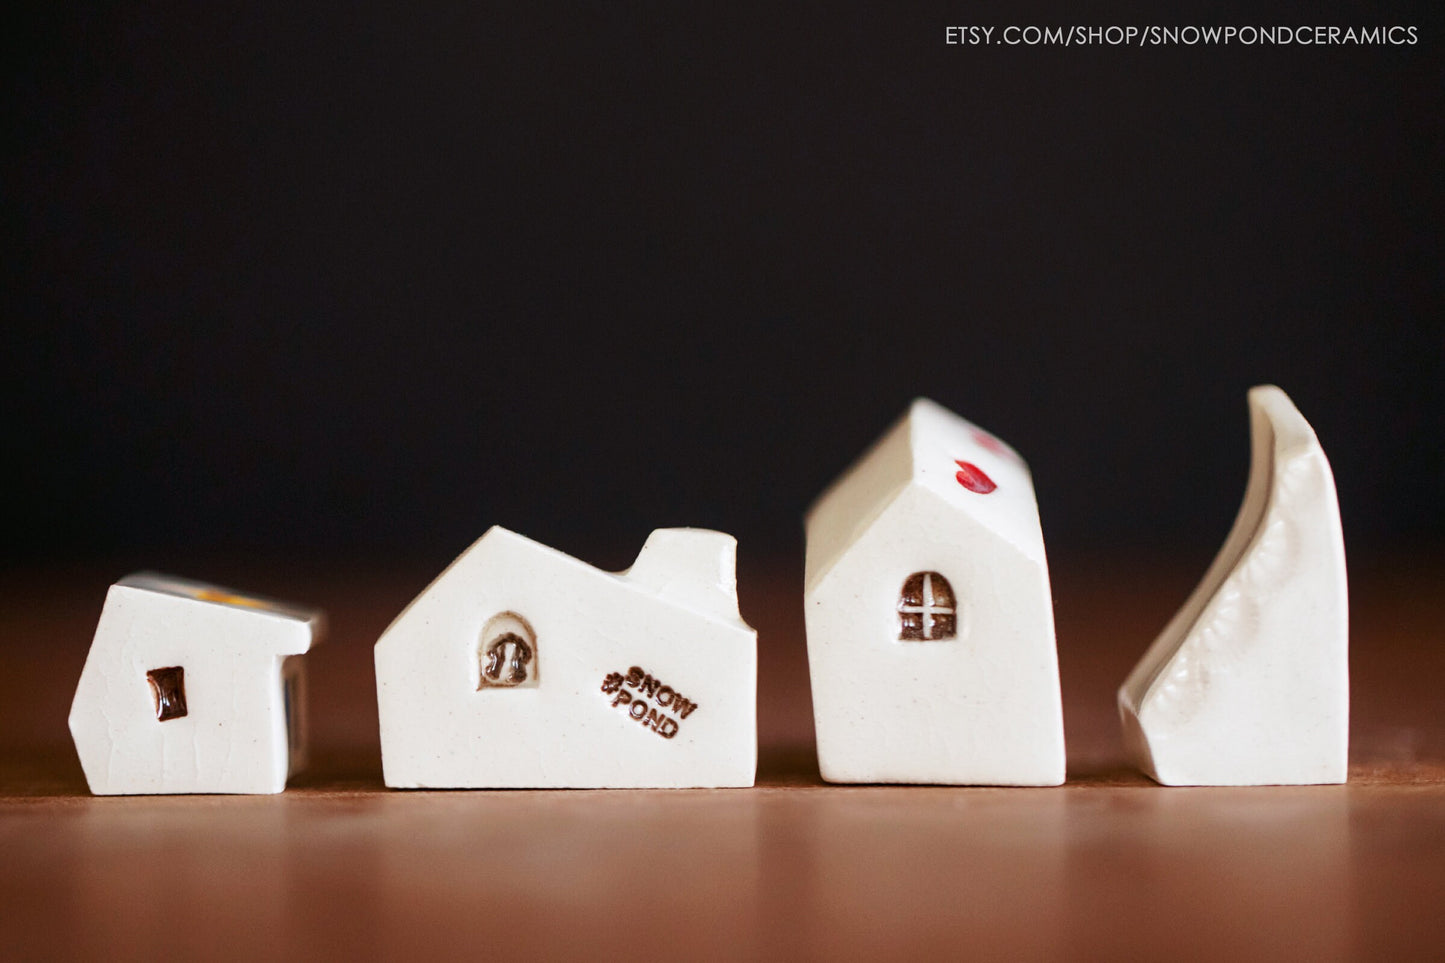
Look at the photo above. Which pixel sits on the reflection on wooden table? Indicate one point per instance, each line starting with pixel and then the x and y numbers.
pixel 1108 865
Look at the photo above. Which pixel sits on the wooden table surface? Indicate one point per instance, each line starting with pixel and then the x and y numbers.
pixel 1107 866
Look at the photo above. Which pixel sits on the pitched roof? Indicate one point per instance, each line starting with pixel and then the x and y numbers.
pixel 691 569
pixel 928 447
pixel 288 617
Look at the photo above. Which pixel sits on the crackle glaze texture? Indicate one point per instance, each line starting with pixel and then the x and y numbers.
pixel 190 688
pixel 1248 684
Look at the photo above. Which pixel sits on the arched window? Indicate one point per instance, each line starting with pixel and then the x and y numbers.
pixel 927 610
pixel 507 654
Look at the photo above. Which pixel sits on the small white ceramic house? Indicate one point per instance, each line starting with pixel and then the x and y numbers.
pixel 1248 684
pixel 930 623
pixel 521 667
pixel 191 688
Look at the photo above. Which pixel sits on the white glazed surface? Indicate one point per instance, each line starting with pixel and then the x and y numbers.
pixel 1249 682
pixel 233 738
pixel 980 709
pixel 673 615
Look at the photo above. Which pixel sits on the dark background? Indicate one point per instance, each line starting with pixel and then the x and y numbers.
pixel 314 279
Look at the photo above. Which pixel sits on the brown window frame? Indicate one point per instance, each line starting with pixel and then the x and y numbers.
pixel 168 689
pixel 927 609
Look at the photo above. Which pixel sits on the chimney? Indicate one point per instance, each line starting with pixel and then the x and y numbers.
pixel 695 567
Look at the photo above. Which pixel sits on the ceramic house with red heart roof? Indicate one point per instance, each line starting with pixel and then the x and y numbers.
pixel 929 616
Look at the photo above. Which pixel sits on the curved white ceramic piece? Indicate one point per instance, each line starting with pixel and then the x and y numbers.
pixel 1248 684
pixel 191 688
pixel 521 667
pixel 930 623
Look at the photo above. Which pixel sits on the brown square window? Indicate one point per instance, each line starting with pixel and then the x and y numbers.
pixel 168 686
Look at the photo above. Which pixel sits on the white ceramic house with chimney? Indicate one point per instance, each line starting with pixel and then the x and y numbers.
pixel 522 667
pixel 192 688
pixel 929 617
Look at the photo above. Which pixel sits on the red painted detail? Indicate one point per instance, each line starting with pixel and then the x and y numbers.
pixel 989 443
pixel 971 476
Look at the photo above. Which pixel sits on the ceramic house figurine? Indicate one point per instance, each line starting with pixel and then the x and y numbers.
pixel 1249 683
pixel 190 688
pixel 930 623
pixel 521 667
